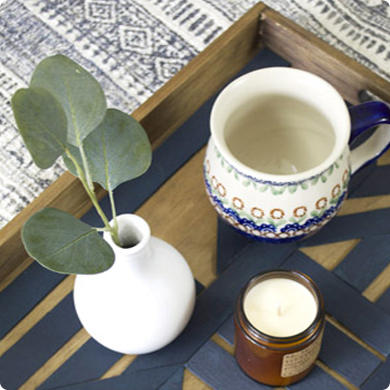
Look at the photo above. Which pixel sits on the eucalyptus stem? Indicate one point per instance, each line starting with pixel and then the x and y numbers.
pixel 115 232
pixel 86 167
pixel 96 204
pixel 101 229
pixel 90 193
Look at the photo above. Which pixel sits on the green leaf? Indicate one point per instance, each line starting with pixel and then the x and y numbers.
pixel 118 150
pixel 64 244
pixel 79 94
pixel 277 190
pixel 271 222
pixel 314 180
pixel 42 124
pixel 264 188
pixel 304 185
pixel 280 222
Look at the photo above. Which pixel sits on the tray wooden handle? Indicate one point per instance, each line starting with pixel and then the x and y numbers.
pixel 306 51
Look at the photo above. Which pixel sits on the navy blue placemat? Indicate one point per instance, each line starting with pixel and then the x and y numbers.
pixel 362 317
pixel 39 344
pixel 365 262
pixel 338 352
pixel 380 379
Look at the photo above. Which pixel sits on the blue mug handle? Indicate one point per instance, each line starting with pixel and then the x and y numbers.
pixel 364 117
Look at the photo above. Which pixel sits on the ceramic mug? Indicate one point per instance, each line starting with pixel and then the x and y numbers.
pixel 278 162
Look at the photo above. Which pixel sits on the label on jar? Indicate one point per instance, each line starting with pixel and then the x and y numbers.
pixel 297 362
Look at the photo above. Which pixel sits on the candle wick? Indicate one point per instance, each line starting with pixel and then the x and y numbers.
pixel 279 309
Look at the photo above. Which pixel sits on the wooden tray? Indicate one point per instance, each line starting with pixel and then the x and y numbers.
pixel 179 210
pixel 195 84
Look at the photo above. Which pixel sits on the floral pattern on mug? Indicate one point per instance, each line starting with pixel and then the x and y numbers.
pixel 300 211
pixel 269 232
pixel 336 191
pixel 257 213
pixel 275 187
pixel 238 203
pixel 346 176
pixel 304 219
pixel 277 213
pixel 218 186
pixel 321 203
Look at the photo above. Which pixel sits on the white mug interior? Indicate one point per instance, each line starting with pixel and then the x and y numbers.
pixel 282 123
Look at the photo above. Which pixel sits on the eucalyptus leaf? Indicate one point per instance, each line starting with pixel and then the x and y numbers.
pixel 78 92
pixel 117 151
pixel 64 244
pixel 42 124
pixel 64 113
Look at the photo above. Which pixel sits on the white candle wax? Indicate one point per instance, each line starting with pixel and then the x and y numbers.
pixel 280 307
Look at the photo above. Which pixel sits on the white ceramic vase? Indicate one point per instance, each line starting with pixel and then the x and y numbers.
pixel 144 301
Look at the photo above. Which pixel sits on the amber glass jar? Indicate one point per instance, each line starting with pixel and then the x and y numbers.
pixel 278 361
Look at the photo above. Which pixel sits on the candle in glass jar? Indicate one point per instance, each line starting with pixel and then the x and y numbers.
pixel 280 307
pixel 279 323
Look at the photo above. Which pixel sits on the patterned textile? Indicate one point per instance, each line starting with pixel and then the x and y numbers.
pixel 133 47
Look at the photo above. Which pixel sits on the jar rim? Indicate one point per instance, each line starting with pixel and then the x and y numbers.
pixel 258 336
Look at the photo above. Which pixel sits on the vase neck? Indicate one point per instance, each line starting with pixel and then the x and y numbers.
pixel 134 234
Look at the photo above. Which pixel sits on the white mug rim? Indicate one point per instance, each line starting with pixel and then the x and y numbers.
pixel 341 137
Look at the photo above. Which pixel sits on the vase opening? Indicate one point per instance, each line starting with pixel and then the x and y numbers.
pixel 133 234
pixel 133 231
pixel 129 241
pixel 130 237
